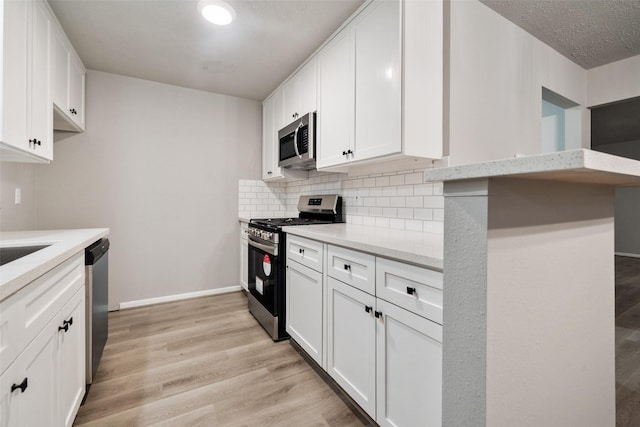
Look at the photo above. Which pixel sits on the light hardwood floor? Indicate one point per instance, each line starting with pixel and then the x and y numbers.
pixel 627 341
pixel 205 362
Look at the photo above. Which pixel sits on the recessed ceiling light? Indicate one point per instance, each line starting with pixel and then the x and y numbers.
pixel 216 11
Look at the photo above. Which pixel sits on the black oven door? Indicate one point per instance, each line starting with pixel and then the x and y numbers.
pixel 264 275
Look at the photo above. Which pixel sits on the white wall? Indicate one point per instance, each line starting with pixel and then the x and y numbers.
pixel 497 74
pixel 159 165
pixel 23 216
pixel 614 82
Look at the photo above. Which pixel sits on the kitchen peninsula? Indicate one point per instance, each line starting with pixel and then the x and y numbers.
pixel 528 327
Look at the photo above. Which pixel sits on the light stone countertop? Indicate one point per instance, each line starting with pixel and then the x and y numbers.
pixel 64 244
pixel 416 247
pixel 581 166
pixel 243 219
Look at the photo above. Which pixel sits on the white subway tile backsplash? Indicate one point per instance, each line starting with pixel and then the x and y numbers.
pixel 390 212
pixel 433 202
pixel 405 213
pixel 382 201
pixel 382 181
pixel 423 190
pixel 414 202
pixel 389 191
pixel 413 178
pixel 397 223
pixel 423 214
pixel 396 180
pixel 398 200
pixel 405 190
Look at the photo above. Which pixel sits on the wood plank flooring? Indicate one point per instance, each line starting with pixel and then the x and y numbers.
pixel 627 342
pixel 205 362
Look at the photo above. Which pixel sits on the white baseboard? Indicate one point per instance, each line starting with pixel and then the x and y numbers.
pixel 178 297
pixel 629 255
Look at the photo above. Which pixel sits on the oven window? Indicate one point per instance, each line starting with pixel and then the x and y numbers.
pixel 263 278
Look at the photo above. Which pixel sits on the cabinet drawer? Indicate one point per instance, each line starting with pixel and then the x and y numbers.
pixel 243 230
pixel 416 289
pixel 353 268
pixel 306 252
pixel 31 308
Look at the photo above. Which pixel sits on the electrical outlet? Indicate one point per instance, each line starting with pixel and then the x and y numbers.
pixel 357 199
pixel 18 196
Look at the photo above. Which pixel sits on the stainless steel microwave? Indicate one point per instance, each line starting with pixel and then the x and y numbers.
pixel 297 144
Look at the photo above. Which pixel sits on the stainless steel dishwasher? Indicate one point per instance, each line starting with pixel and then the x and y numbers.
pixel 96 261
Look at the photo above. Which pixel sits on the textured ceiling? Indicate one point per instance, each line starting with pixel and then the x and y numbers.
pixel 169 42
pixel 588 32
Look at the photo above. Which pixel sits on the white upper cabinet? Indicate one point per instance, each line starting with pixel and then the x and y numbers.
pixel 299 93
pixel 26 130
pixel 378 81
pixel 378 89
pixel 336 89
pixel 67 80
pixel 270 169
pixel 39 68
pixel 271 123
pixel 381 86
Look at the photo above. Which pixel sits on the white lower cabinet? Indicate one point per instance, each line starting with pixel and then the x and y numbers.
pixel 352 342
pixel 380 328
pixel 409 368
pixel 304 308
pixel 387 359
pixel 28 387
pixel 43 382
pixel 71 381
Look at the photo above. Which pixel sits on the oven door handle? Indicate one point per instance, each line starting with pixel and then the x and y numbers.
pixel 270 249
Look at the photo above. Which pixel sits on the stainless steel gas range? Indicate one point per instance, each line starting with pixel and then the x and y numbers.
pixel 267 259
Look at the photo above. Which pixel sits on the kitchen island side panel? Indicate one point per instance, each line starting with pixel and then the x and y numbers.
pixel 550 299
pixel 529 304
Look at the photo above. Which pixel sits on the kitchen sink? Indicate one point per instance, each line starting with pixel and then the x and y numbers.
pixel 9 254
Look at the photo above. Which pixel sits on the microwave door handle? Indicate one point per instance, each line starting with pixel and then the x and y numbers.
pixel 295 141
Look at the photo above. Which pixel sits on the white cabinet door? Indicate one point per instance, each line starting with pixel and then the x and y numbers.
pixel 28 396
pixel 336 100
pixel 67 84
pixel 409 369
pixel 378 81
pixel 14 77
pixel 304 308
pixel 76 91
pixel 290 100
pixel 308 87
pixel 352 342
pixel 59 71
pixel 299 92
pixel 39 94
pixel 71 382
pixel 270 169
